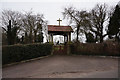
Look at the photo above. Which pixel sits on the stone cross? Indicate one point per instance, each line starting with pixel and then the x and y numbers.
pixel 59 21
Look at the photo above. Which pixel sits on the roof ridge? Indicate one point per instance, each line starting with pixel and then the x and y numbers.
pixel 56 25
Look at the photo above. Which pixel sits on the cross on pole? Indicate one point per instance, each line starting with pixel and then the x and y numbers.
pixel 59 21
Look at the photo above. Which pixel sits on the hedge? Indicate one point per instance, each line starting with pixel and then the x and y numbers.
pixel 112 49
pixel 16 53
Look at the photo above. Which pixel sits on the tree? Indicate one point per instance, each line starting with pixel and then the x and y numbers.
pixel 90 38
pixel 27 26
pixel 33 26
pixel 14 16
pixel 39 38
pixel 11 33
pixel 114 24
pixel 11 23
pixel 99 16
pixel 78 17
pixel 4 38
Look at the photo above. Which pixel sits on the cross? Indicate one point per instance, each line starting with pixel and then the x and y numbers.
pixel 59 21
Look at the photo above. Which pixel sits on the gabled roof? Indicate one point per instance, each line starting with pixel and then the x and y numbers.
pixel 60 28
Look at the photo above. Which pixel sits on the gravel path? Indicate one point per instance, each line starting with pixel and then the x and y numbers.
pixel 63 66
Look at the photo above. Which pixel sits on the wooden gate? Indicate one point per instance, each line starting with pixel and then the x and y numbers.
pixel 60 50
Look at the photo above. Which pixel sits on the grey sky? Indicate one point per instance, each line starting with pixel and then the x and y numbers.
pixel 52 8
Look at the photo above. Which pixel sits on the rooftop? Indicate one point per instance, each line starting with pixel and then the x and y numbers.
pixel 60 28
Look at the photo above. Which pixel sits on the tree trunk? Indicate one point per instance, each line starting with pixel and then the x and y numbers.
pixel 101 39
pixel 30 36
pixel 9 34
pixel 101 32
pixel 78 26
pixel 26 38
pixel 35 34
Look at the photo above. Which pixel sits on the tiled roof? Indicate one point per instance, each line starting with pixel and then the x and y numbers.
pixel 60 28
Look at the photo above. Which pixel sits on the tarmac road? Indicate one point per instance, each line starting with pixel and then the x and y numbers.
pixel 64 66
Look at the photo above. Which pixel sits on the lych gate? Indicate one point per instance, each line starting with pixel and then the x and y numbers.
pixel 60 30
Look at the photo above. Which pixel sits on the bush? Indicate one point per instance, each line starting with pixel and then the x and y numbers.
pixel 16 53
pixel 105 49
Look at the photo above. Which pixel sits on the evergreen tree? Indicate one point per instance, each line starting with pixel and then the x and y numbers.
pixel 11 33
pixel 114 24
pixel 40 37
pixel 90 38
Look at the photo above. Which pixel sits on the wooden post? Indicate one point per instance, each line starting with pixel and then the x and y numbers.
pixel 64 38
pixel 52 38
pixel 69 37
pixel 49 36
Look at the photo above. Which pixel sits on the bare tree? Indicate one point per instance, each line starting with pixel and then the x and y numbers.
pixel 33 25
pixel 89 22
pixel 80 18
pixel 14 16
pixel 15 24
pixel 99 15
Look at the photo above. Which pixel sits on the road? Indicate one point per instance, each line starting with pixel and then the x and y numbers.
pixel 64 66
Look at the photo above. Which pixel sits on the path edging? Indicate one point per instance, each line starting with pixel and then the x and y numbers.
pixel 15 63
pixel 99 56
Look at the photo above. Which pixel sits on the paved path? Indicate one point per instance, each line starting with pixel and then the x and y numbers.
pixel 74 66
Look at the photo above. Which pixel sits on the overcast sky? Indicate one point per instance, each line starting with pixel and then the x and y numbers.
pixel 51 8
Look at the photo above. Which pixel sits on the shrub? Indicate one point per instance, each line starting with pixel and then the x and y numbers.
pixel 16 53
pixel 105 49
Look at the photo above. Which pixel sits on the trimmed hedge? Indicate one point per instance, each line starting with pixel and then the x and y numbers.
pixel 105 49
pixel 16 53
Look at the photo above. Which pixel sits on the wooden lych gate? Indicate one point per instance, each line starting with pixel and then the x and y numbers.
pixel 60 30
